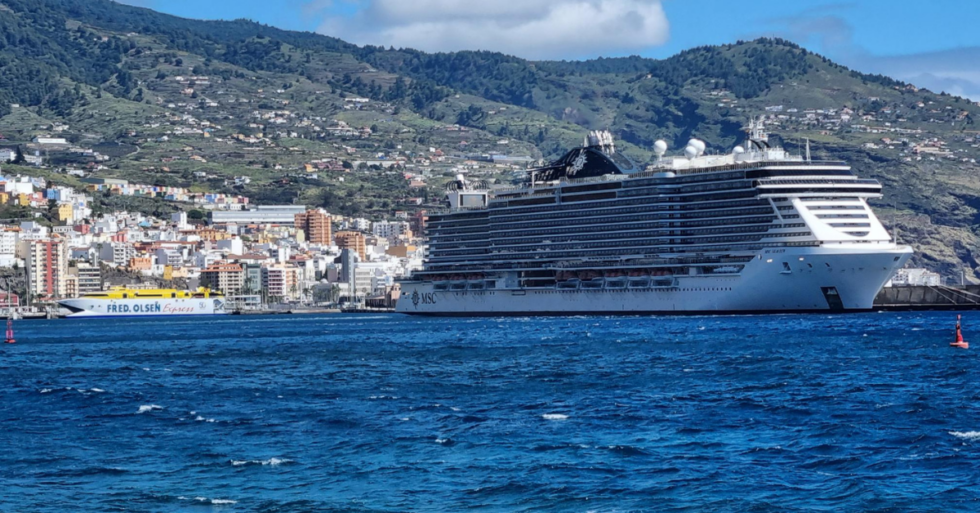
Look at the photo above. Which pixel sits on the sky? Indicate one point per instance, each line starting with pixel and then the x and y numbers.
pixel 933 44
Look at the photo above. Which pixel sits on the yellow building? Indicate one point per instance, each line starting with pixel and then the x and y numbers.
pixel 4 198
pixel 24 200
pixel 210 234
pixel 65 212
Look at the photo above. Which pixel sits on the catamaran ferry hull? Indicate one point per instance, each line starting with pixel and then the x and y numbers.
pixel 777 280
pixel 92 307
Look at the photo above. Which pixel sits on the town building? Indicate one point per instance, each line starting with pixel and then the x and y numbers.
pixel 47 268
pixel 391 230
pixel 85 278
pixel 352 240
pixel 316 225
pixel 266 214
pixel 280 282
pixel 65 212
pixel 225 277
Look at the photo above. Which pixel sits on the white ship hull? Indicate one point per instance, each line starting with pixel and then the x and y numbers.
pixel 845 278
pixel 149 307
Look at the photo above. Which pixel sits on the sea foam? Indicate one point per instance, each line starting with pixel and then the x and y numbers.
pixel 213 502
pixel 149 407
pixel 554 416
pixel 272 462
pixel 966 435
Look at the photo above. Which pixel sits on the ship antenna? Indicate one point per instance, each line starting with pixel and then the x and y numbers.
pixel 808 149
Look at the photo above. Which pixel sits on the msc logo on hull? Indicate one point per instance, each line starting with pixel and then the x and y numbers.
pixel 428 298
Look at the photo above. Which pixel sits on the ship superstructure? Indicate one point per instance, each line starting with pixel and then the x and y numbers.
pixel 753 230
pixel 127 302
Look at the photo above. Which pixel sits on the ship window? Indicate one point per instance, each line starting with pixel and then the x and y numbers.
pixel 125 296
pixel 173 294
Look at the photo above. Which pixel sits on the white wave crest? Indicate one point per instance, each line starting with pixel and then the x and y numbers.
pixel 96 390
pixel 149 407
pixel 966 435
pixel 46 390
pixel 554 416
pixel 213 502
pixel 272 462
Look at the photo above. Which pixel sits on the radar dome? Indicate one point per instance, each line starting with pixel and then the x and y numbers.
pixel 738 149
pixel 660 147
pixel 698 144
pixel 691 152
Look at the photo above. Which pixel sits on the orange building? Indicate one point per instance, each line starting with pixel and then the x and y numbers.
pixel 140 263
pixel 401 251
pixel 316 225
pixel 354 241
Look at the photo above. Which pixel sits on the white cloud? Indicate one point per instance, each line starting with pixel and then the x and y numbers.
pixel 536 29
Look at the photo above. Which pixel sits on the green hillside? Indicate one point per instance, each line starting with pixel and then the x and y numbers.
pixel 197 104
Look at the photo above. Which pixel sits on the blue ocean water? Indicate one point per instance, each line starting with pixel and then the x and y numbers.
pixel 869 412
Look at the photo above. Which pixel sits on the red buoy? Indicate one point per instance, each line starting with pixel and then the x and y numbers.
pixel 10 331
pixel 959 337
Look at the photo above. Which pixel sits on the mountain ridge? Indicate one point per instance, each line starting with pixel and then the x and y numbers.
pixel 109 70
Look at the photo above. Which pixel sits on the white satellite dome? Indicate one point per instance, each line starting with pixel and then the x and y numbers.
pixel 698 144
pixel 691 151
pixel 660 147
pixel 738 149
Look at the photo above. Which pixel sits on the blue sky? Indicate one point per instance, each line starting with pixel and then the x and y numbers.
pixel 935 44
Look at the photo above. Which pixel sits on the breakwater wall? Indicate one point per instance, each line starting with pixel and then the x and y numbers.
pixel 929 298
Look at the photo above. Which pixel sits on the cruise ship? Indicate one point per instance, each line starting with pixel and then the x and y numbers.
pixel 754 230
pixel 126 302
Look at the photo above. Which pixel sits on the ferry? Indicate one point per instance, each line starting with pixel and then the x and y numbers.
pixel 127 302
pixel 756 229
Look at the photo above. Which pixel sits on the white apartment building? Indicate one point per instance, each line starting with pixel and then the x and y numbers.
pixel 281 282
pixel 117 253
pixel 390 229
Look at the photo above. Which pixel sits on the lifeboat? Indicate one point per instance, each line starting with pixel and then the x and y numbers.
pixel 616 280
pixel 457 282
pixel 593 282
pixel 639 279
pixel 440 282
pixel 570 283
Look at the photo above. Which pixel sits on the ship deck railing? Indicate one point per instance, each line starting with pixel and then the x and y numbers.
pixel 523 190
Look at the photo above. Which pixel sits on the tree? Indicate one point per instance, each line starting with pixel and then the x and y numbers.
pixel 19 156
pixel 195 214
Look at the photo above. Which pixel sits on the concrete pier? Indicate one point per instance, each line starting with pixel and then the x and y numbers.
pixel 928 298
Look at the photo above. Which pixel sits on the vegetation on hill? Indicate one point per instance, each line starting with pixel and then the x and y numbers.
pixel 109 72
